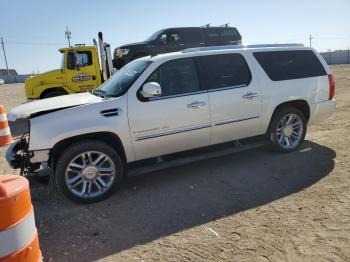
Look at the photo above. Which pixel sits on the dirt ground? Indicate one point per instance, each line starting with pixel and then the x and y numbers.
pixel 250 206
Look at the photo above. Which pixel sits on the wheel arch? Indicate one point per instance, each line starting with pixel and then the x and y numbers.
pixel 106 137
pixel 52 89
pixel 300 104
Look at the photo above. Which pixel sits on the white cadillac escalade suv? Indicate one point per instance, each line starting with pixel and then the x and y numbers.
pixel 173 102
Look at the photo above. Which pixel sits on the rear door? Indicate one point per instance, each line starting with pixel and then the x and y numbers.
pixel 193 37
pixel 234 95
pixel 177 120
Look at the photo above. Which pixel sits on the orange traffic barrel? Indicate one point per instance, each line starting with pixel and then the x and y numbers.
pixel 5 134
pixel 18 234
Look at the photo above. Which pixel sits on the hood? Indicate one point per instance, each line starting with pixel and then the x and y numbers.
pixel 133 45
pixel 50 104
pixel 47 78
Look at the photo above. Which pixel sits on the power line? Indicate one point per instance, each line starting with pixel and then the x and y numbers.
pixel 3 49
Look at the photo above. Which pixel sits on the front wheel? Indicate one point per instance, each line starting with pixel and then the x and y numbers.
pixel 287 129
pixel 88 171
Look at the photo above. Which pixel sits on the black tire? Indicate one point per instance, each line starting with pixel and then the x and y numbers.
pixel 75 150
pixel 274 124
pixel 53 94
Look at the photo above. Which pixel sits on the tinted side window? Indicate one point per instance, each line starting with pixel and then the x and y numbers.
pixel 220 36
pixel 285 65
pixel 220 71
pixel 192 37
pixel 171 37
pixel 176 77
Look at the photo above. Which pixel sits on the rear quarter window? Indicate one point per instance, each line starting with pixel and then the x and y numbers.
pixel 221 36
pixel 286 65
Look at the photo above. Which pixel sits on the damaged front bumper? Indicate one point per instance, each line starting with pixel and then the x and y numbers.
pixel 19 157
pixel 16 154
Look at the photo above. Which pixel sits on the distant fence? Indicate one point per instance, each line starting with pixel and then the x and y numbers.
pixel 337 57
pixel 15 79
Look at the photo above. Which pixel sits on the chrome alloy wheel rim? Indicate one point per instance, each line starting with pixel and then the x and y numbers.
pixel 289 131
pixel 90 174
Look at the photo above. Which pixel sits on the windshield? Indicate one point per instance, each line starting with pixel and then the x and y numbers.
pixel 154 36
pixel 123 79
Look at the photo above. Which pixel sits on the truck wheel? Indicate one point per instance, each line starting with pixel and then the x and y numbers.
pixel 287 129
pixel 53 94
pixel 88 171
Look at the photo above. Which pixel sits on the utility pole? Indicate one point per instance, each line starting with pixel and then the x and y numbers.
pixel 310 40
pixel 3 49
pixel 68 34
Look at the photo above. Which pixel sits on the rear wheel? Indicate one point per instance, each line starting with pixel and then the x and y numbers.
pixel 88 171
pixel 287 129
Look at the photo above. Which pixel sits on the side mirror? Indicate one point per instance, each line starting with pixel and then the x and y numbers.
pixel 151 89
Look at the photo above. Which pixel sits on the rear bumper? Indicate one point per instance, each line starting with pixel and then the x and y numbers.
pixel 322 110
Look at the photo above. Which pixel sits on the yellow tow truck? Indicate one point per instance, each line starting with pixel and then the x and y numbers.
pixel 81 70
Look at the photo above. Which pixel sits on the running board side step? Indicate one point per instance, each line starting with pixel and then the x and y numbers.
pixel 161 164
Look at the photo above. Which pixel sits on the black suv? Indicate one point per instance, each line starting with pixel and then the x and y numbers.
pixel 176 39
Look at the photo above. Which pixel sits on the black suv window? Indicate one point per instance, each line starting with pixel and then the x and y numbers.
pixel 222 36
pixel 221 71
pixel 176 77
pixel 171 37
pixel 193 37
pixel 81 58
pixel 285 65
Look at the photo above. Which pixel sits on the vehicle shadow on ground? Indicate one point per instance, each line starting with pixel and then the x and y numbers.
pixel 165 202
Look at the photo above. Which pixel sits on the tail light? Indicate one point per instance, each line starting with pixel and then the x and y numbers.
pixel 239 42
pixel 331 86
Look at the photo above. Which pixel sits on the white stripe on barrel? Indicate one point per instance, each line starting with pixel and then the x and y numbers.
pixel 18 236
pixel 3 117
pixel 5 131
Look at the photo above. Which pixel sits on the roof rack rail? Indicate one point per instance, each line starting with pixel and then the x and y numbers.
pixel 273 45
pixel 225 47
pixel 206 25
pixel 225 25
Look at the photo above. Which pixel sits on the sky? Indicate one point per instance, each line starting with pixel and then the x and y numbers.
pixel 33 30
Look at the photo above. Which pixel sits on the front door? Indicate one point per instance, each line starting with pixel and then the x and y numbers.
pixel 81 72
pixel 178 120
pixel 170 41
pixel 234 95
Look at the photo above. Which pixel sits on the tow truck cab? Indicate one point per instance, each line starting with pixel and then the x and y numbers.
pixel 79 72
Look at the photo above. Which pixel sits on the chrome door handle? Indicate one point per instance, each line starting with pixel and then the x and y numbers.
pixel 196 104
pixel 250 95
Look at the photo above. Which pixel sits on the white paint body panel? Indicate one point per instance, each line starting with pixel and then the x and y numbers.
pixel 154 128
